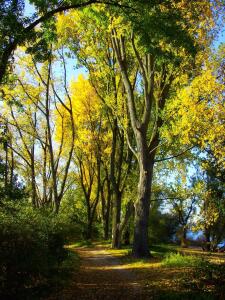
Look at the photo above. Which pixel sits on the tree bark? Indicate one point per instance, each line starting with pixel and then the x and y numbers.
pixel 89 229
pixel 33 181
pixel 6 165
pixel 106 203
pixel 142 204
pixel 208 241
pixel 116 236
pixel 184 237
pixel 124 225
pixel 12 168
pixel 106 225
pixel 107 214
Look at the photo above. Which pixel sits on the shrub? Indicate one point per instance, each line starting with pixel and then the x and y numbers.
pixel 31 249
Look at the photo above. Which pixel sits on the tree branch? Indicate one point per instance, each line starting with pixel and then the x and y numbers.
pixel 174 156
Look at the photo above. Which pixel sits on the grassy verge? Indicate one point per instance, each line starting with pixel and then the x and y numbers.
pixel 84 243
pixel 179 260
pixel 175 274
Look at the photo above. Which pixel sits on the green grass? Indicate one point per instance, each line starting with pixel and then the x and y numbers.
pixel 162 250
pixel 179 260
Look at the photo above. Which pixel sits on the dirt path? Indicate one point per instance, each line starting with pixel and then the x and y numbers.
pixel 101 276
pixel 104 275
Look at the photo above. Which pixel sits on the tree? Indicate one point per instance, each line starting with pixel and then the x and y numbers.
pixel 159 57
pixel 99 60
pixel 148 66
pixel 156 84
pixel 184 205
pixel 211 216
pixel 199 125
pixel 35 97
pixel 179 190
pixel 92 144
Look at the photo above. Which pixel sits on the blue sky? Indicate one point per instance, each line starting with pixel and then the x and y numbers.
pixel 29 9
pixel 221 37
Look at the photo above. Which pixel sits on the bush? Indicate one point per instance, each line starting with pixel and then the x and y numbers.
pixel 31 249
pixel 179 260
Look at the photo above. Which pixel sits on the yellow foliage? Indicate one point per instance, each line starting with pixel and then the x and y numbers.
pixel 90 125
pixel 196 114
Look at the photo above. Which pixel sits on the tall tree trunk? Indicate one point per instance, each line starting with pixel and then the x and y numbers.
pixel 107 215
pixel 208 240
pixel 141 218
pixel 44 172
pixel 50 145
pixel 89 221
pixel 116 184
pixel 184 237
pixel 6 165
pixel 89 230
pixel 116 237
pixel 12 169
pixel 6 148
pixel 57 204
pixel 106 209
pixel 33 182
pixel 106 227
pixel 124 225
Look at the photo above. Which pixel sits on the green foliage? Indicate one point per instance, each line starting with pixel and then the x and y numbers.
pixel 12 23
pixel 31 249
pixel 12 19
pixel 179 260
pixel 12 191
pixel 162 227
pixel 164 23
pixel 73 211
pixel 41 40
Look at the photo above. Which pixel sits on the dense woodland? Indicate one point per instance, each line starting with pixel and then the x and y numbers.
pixel 111 128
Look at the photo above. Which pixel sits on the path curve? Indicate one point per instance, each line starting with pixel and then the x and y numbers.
pixel 101 276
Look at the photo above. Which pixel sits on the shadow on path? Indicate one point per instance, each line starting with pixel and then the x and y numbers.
pixel 101 276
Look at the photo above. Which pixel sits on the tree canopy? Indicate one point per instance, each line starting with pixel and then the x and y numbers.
pixel 112 122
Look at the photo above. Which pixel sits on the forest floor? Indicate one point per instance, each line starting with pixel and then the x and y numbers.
pixel 112 274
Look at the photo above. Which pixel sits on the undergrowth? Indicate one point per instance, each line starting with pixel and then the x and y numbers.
pixel 179 260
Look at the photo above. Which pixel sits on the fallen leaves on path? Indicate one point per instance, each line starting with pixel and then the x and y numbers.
pixel 110 274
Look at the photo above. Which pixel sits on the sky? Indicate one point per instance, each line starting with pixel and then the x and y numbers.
pixel 221 37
